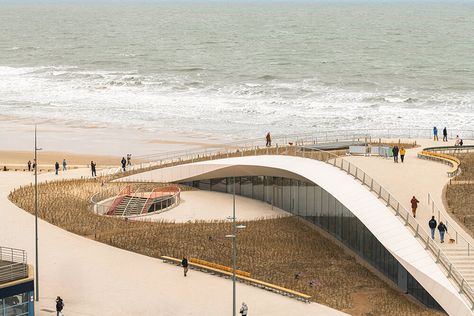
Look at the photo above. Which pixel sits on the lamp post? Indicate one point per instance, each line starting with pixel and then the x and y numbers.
pixel 234 248
pixel 36 217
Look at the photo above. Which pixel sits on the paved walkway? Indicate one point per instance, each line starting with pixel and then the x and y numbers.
pixel 418 177
pixel 97 279
pixel 209 206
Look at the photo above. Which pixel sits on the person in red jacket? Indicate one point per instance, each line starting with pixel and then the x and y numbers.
pixel 414 205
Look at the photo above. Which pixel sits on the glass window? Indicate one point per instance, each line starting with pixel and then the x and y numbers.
pixel 302 199
pixel 310 207
pixel 338 218
pixel 219 185
pixel 257 188
pixel 268 189
pixel 246 186
pixel 317 203
pixel 287 195
pixel 204 185
pixel 324 209
pixel 294 197
pixel 332 213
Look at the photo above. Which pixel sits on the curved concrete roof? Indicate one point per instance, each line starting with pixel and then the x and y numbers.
pixel 371 211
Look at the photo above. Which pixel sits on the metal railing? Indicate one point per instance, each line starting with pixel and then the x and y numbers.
pixel 444 217
pixel 446 159
pixel 12 264
pixel 124 192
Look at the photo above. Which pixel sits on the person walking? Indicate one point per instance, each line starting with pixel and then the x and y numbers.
pixel 124 164
pixel 432 224
pixel 402 153
pixel 29 165
pixel 244 309
pixel 458 141
pixel 56 167
pixel 414 205
pixel 269 140
pixel 435 133
pixel 395 153
pixel 442 229
pixel 34 164
pixel 129 159
pixel 64 164
pixel 59 306
pixel 445 135
pixel 185 265
pixel 93 170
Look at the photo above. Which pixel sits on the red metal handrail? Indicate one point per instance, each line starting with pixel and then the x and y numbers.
pixel 158 192
pixel 124 192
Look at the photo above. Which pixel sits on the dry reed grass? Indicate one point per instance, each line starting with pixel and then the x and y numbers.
pixel 460 197
pixel 273 250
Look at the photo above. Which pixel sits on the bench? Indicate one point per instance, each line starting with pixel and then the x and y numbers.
pixel 218 266
pixel 443 158
pixel 261 284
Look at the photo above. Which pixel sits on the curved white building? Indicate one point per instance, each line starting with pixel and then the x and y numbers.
pixel 335 201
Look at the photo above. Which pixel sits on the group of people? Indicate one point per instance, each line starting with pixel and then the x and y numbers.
pixel 56 166
pixel 32 165
pixel 459 141
pixel 398 151
pixel 432 222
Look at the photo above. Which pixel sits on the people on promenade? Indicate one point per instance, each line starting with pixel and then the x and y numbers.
pixel 56 167
pixel 64 164
pixel 402 153
pixel 435 133
pixel 124 164
pixel 442 230
pixel 129 159
pixel 458 141
pixel 93 170
pixel 34 164
pixel 59 306
pixel 432 224
pixel 244 309
pixel 269 140
pixel 185 265
pixel 29 165
pixel 395 151
pixel 461 142
pixel 414 205
pixel 445 135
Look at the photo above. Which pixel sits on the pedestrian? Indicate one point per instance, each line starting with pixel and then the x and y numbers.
pixel 59 306
pixel 458 141
pixel 442 229
pixel 445 135
pixel 129 159
pixel 414 205
pixel 64 164
pixel 402 153
pixel 34 164
pixel 185 265
pixel 124 164
pixel 395 153
pixel 56 167
pixel 432 223
pixel 269 140
pixel 244 309
pixel 461 142
pixel 29 165
pixel 435 133
pixel 93 170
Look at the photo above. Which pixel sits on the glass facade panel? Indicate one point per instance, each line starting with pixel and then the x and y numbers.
pixel 319 207
pixel 302 207
pixel 246 186
pixel 17 305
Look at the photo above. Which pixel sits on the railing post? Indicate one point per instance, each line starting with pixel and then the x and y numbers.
pixel 427 242
pixel 449 271
pixel 417 227
pixel 380 191
pixel 461 286
pixel 388 200
pixel 372 185
pixel 406 219
pixel 398 209
pixel 363 178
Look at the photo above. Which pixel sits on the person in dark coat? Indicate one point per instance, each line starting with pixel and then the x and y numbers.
pixel 432 224
pixel 59 306
pixel 414 205
pixel 268 138
pixel 442 229
pixel 94 173
pixel 395 151
pixel 29 165
pixel 124 164
pixel 185 265
pixel 56 167
pixel 445 135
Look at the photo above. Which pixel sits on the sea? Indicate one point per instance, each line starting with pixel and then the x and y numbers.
pixel 235 68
